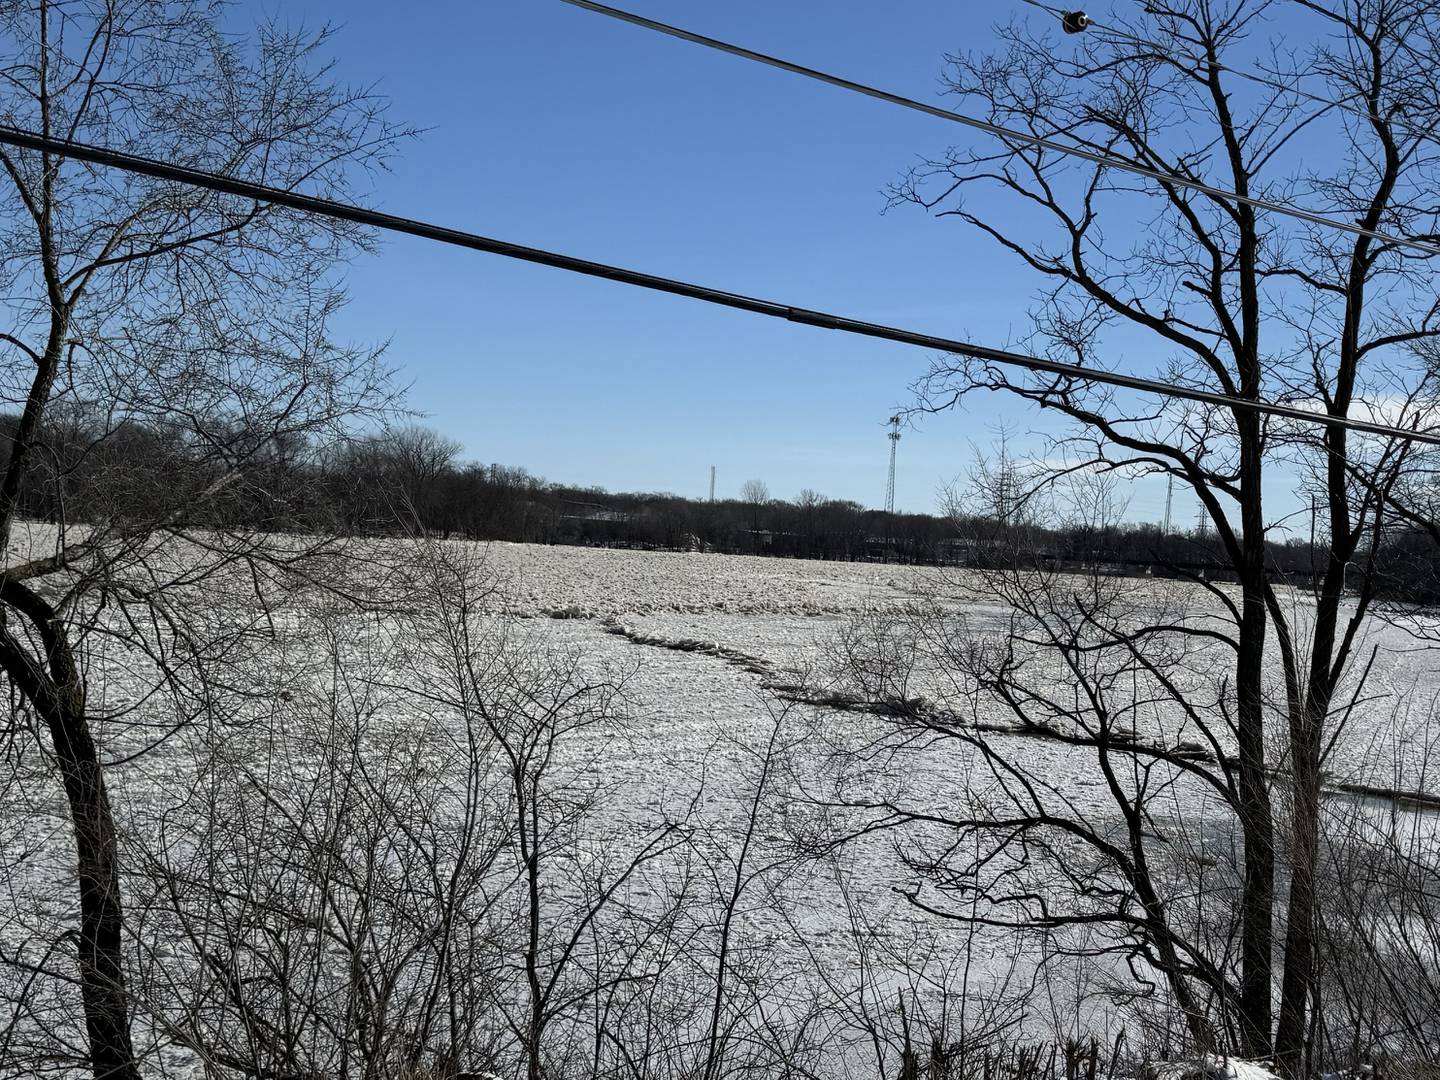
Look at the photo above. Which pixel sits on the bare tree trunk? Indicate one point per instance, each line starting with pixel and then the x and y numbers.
pixel 1256 820
pixel 59 697
pixel 1295 991
pixel 102 979
pixel 1308 722
pixel 1306 737
pixel 530 840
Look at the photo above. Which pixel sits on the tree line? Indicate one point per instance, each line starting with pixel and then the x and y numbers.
pixel 413 481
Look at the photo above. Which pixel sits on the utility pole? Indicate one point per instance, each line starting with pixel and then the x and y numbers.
pixel 894 445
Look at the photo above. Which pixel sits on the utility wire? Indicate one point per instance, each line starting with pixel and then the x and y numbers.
pixel 339 211
pixel 1006 133
pixel 1240 73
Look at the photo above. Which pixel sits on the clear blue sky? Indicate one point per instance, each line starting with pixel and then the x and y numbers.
pixel 554 127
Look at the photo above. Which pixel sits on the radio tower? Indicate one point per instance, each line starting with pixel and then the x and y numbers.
pixel 890 485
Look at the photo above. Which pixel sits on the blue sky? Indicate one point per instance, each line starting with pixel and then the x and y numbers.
pixel 554 127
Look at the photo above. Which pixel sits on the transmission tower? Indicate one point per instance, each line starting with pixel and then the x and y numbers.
pixel 890 484
pixel 1169 497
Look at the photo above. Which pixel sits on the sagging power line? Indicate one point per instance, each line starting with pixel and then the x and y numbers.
pixel 1009 134
pixel 358 215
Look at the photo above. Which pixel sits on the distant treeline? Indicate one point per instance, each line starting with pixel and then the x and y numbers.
pixel 413 480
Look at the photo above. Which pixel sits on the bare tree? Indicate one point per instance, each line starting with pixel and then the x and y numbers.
pixel 144 305
pixel 1248 304
pixel 536 706
pixel 756 495
pixel 421 458
pixel 320 900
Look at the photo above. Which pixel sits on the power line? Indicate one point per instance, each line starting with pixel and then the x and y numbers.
pixel 1001 132
pixel 1240 73
pixel 773 309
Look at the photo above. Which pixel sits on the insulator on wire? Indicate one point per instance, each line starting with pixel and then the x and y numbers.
pixel 1074 21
